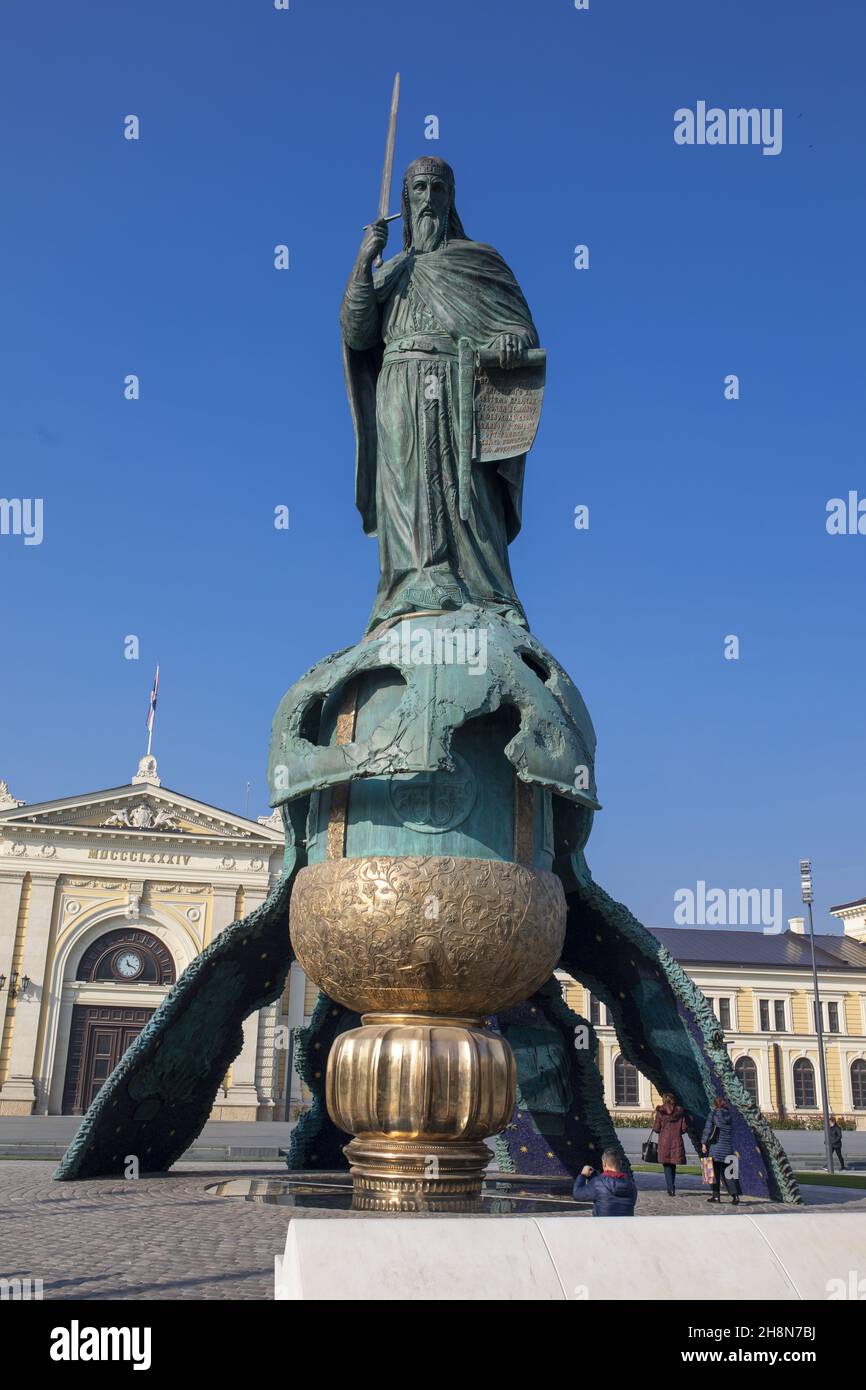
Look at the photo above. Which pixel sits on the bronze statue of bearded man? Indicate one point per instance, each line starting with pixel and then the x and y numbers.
pixel 403 328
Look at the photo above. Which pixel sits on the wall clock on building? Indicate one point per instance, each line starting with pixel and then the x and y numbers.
pixel 126 954
pixel 127 965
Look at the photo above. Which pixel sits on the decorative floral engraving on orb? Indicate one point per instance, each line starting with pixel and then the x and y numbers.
pixel 427 934
pixel 431 802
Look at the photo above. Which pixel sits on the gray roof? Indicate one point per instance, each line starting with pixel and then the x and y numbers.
pixel 713 946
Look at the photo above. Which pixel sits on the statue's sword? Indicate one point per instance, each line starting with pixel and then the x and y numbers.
pixel 388 167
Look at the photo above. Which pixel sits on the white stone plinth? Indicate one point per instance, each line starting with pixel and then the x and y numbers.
pixel 772 1257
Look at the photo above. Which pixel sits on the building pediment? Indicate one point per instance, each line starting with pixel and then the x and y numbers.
pixel 147 812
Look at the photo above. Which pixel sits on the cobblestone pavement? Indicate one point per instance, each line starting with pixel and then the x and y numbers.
pixel 165 1237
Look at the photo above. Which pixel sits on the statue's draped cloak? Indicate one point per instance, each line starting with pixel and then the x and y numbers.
pixel 406 442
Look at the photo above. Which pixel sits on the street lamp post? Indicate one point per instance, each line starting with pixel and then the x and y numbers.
pixel 807 895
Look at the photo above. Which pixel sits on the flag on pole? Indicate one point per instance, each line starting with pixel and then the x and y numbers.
pixel 151 709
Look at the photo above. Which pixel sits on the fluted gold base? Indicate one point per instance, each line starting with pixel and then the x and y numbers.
pixel 420 1093
pixel 389 1175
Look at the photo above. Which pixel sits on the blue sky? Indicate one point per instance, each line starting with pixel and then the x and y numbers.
pixel 707 516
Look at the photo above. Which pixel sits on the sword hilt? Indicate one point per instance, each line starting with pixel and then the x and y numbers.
pixel 392 218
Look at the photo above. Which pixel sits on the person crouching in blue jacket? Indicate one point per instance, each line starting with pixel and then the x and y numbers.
pixel 613 1192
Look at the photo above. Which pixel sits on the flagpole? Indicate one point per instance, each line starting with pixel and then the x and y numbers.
pixel 151 713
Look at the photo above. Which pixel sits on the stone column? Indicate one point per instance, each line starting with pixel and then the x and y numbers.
pixel 243 1093
pixel 11 889
pixel 222 910
pixel 763 1064
pixel 266 1061
pixel 52 1103
pixel 10 900
pixel 19 1094
pixel 607 1077
pixel 241 1102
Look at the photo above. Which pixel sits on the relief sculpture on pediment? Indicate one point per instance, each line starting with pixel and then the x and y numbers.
pixel 142 815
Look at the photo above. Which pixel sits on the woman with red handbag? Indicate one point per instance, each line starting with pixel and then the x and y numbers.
pixel 670 1126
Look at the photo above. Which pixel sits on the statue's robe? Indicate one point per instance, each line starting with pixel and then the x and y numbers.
pixel 400 341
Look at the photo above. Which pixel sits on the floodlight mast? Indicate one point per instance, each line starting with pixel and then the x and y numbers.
pixel 807 896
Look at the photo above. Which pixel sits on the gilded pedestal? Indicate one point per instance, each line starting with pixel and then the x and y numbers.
pixel 424 946
pixel 420 1093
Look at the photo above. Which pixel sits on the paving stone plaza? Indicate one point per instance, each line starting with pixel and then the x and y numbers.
pixel 165 1237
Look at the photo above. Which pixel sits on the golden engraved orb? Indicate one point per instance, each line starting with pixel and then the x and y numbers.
pixel 427 934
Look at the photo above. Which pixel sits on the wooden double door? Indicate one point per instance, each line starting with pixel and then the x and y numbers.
pixel 100 1035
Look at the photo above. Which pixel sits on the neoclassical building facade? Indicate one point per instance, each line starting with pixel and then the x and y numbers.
pixel 105 899
pixel 760 989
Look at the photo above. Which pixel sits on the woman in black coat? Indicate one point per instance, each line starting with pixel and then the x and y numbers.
pixel 716 1140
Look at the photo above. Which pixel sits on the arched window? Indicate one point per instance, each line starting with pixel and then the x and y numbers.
pixel 748 1074
pixel 625 1082
pixel 804 1084
pixel 127 955
pixel 858 1084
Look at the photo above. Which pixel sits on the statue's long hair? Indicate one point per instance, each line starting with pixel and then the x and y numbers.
pixel 454 227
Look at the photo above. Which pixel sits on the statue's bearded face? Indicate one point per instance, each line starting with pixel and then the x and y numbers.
pixel 429 204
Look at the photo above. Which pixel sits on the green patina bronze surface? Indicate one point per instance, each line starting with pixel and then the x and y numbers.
pixel 402 328
pixel 456 667
pixel 454 703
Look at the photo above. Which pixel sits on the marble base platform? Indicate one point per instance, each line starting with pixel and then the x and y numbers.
pixel 771 1258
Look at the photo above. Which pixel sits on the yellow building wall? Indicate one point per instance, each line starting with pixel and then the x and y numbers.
pixel 576 998
pixel 800 1013
pixel 745 1004
pixel 834 1077
pixel 774 1086
pixel 853 1014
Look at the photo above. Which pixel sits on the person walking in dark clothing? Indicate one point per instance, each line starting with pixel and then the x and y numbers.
pixel 717 1142
pixel 836 1139
pixel 670 1126
pixel 613 1192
